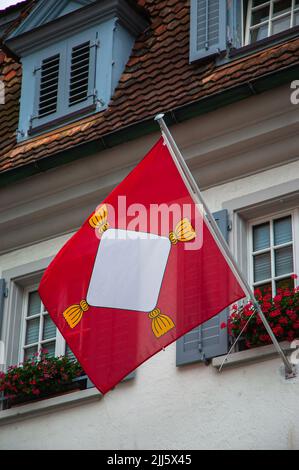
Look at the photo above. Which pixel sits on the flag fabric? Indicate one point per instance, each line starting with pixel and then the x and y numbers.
pixel 138 274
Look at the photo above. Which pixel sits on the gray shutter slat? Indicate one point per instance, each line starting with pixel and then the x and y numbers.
pixel 2 296
pixel 207 28
pixel 207 340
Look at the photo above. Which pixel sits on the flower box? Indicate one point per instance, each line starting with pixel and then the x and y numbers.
pixel 39 378
pixel 19 401
pixel 281 312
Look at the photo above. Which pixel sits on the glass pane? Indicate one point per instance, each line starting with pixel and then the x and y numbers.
pixel 282 7
pixel 284 261
pixel 296 3
pixel 50 348
pixel 285 284
pixel 262 267
pixel 260 15
pixel 29 353
pixel 32 331
pixel 261 237
pixel 281 24
pixel 69 353
pixel 34 305
pixel 296 19
pixel 49 330
pixel 260 33
pixel 283 230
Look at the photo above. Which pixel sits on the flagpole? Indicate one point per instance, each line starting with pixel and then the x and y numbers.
pixel 186 173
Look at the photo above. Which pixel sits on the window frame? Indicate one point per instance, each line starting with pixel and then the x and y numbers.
pixel 271 217
pixel 17 280
pixel 60 343
pixel 271 19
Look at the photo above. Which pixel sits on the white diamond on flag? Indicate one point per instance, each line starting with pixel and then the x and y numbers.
pixel 128 270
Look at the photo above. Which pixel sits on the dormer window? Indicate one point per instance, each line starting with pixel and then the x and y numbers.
pixel 73 54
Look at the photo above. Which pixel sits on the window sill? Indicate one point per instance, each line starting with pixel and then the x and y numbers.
pixel 63 120
pixel 47 405
pixel 250 356
pixel 262 44
pixel 258 46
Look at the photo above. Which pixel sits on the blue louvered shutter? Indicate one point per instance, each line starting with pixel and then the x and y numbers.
pixel 207 28
pixel 207 340
pixel 49 85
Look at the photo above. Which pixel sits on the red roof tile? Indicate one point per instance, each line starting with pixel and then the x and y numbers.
pixel 158 77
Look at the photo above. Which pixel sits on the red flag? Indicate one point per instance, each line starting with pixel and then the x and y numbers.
pixel 141 272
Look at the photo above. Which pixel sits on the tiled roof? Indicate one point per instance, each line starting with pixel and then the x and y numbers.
pixel 158 77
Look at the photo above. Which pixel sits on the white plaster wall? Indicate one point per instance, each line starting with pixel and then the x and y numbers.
pixel 217 195
pixel 165 408
pixel 194 407
pixel 214 196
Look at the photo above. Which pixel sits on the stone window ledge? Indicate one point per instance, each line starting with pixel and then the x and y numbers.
pixel 250 356
pixel 45 406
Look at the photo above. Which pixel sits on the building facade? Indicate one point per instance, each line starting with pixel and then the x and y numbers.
pixel 83 81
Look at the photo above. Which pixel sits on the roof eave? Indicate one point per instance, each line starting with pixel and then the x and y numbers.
pixel 148 126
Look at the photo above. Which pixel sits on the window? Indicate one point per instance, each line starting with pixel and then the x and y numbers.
pixel 65 78
pixel 273 252
pixel 218 27
pixel 265 18
pixel 73 55
pixel 38 331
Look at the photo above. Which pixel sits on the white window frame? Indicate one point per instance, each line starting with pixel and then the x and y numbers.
pixel 294 213
pixel 60 344
pixel 251 9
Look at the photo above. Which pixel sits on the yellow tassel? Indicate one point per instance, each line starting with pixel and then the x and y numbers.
pixel 99 220
pixel 73 315
pixel 161 323
pixel 184 232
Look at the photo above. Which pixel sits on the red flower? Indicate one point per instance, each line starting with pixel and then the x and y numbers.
pixel 275 313
pixel 294 276
pixel 266 306
pixel 223 325
pixel 296 325
pixel 36 391
pixel 278 331
pixel 264 338
pixel 290 312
